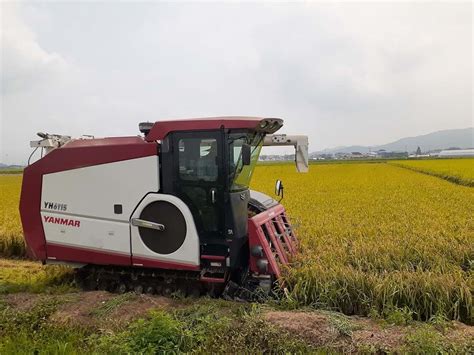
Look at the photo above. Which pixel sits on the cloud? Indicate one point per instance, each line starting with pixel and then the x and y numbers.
pixel 344 74
pixel 29 74
pixel 25 64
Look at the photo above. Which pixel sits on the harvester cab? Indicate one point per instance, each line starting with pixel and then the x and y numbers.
pixel 168 210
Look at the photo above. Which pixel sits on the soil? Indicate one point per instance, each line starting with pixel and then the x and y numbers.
pixel 458 331
pixel 80 309
pixel 319 329
pixel 139 308
pixel 313 327
pixel 22 301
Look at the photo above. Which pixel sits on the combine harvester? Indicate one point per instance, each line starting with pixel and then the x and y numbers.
pixel 170 210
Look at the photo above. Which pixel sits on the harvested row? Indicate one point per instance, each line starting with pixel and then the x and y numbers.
pixel 376 238
pixel 458 171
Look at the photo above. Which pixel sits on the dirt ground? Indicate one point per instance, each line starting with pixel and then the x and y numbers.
pixel 104 310
pixel 95 308
pixel 324 329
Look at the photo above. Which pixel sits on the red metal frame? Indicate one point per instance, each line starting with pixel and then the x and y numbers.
pixel 92 256
pixel 271 230
pixel 162 128
pixel 213 257
pixel 213 279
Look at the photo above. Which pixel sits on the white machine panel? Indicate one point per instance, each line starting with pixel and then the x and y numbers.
pixel 93 191
pixel 188 252
pixel 82 232
pixel 77 206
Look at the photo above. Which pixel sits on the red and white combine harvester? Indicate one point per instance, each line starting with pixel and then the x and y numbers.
pixel 170 210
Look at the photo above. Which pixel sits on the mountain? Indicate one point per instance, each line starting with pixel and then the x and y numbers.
pixel 461 138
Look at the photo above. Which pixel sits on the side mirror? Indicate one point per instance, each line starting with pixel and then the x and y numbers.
pixel 279 188
pixel 246 154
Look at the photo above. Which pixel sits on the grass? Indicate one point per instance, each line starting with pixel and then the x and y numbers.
pixel 458 171
pixel 426 341
pixel 204 326
pixel 200 328
pixel 377 237
pixel 30 332
pixel 11 172
pixel 29 276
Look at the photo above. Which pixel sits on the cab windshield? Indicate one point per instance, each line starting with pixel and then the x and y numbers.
pixel 240 175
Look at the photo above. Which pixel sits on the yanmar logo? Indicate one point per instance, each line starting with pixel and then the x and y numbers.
pixel 62 221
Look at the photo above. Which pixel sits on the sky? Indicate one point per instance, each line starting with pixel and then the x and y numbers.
pixel 341 73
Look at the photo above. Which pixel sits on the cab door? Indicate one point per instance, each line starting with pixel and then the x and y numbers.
pixel 199 180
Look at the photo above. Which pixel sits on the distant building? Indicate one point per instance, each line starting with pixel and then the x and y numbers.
pixel 323 156
pixel 416 156
pixel 382 153
pixel 457 153
pixel 276 157
pixel 357 155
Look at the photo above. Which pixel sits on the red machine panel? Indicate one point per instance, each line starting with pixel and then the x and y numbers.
pixel 271 236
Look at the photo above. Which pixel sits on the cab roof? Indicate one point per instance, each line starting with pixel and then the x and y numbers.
pixel 161 129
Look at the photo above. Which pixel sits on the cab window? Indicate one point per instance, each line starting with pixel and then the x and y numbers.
pixel 198 159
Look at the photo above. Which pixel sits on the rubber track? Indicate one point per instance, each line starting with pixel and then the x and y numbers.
pixel 150 281
pixel 166 283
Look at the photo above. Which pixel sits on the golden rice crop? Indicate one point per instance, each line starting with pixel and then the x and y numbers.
pixel 459 171
pixel 11 235
pixel 374 237
pixel 377 237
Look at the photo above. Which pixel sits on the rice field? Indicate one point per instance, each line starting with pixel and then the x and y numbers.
pixel 459 171
pixel 376 238
pixel 11 235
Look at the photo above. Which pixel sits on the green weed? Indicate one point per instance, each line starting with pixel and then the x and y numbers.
pixel 424 340
pixel 398 316
pixel 202 328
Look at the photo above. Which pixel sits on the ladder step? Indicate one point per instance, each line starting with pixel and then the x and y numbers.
pixel 212 279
